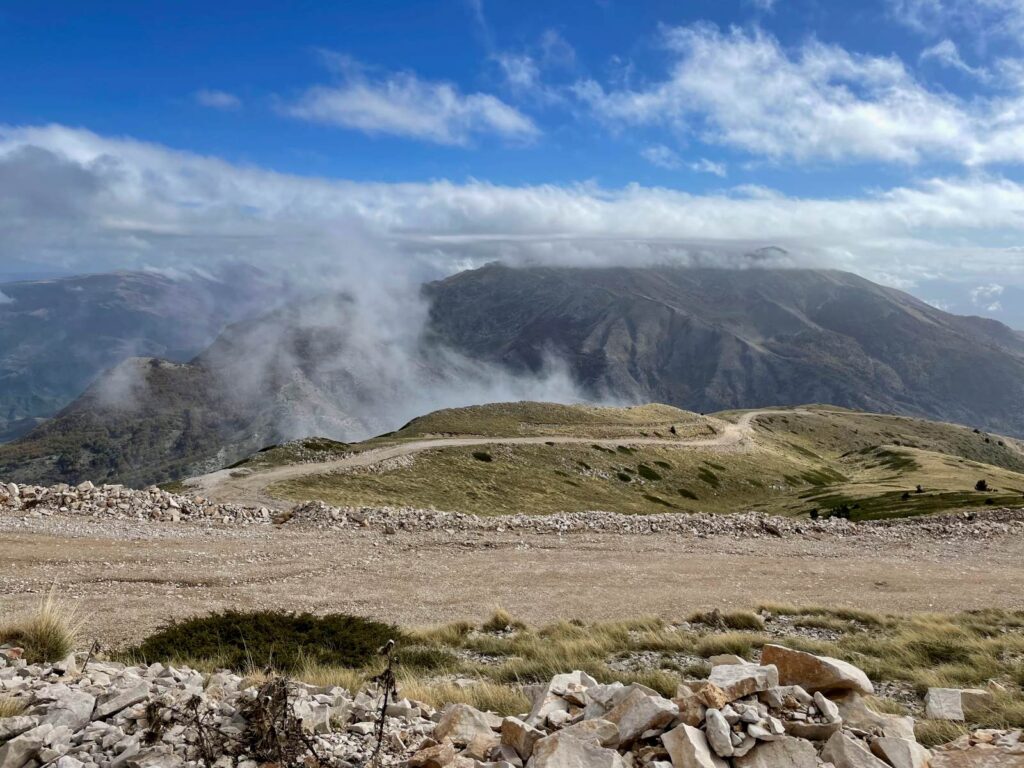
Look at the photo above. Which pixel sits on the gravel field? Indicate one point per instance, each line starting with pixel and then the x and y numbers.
pixel 132 575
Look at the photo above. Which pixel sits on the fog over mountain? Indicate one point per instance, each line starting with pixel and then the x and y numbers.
pixel 81 202
pixel 696 337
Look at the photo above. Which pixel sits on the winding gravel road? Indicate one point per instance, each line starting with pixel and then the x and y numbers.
pixel 234 487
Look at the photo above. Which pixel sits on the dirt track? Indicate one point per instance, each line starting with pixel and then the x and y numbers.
pixel 131 577
pixel 231 487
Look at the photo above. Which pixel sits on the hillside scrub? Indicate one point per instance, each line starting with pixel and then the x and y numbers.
pixel 814 461
pixel 244 641
pixel 903 654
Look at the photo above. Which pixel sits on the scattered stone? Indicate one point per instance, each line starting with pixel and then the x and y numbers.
pixel 845 752
pixel 955 703
pixel 739 680
pixel 815 673
pixel 901 753
pixel 688 747
pixel 785 752
pixel 560 750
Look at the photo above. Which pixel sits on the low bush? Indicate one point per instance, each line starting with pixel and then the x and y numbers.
pixel 647 473
pixel 258 639
pixel 482 456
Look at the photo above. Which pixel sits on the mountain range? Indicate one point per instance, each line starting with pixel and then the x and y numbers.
pixel 58 335
pixel 701 339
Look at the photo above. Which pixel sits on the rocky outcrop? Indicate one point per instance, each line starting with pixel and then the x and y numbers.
pixel 115 716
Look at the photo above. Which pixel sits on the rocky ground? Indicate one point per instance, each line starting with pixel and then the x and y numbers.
pixel 115 502
pixel 141 557
pixel 790 710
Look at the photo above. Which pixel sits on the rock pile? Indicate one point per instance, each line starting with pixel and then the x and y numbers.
pixel 796 711
pixel 154 504
pixel 118 502
pixel 792 710
pixel 741 524
pixel 158 716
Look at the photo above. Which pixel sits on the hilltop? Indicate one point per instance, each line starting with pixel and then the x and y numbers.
pixel 538 458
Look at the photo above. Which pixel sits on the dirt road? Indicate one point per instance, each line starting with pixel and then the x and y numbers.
pixel 230 486
pixel 130 577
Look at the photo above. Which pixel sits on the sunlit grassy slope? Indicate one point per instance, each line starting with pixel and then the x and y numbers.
pixel 797 460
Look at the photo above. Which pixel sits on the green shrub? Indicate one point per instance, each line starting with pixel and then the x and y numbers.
pixel 482 456
pixel 284 641
pixel 647 473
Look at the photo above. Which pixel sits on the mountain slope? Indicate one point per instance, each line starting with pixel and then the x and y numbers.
pixel 58 335
pixel 708 339
pixel 698 339
pixel 149 420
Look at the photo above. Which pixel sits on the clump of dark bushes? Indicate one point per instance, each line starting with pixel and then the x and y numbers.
pixel 258 639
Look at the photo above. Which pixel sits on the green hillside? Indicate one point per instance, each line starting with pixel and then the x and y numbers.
pixel 794 461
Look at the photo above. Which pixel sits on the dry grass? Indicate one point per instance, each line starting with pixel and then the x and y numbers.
pixel 49 634
pixel 500 621
pixel 932 733
pixel 957 650
pixel 732 620
pixel 10 707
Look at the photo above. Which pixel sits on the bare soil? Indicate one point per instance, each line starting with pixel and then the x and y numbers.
pixel 130 577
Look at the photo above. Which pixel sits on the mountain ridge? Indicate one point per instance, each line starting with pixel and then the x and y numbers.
pixel 698 338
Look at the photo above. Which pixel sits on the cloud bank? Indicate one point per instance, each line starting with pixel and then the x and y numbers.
pixel 74 200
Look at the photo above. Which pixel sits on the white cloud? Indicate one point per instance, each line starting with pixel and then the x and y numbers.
pixel 709 166
pixel 947 54
pixel 766 6
pixel 115 203
pixel 218 99
pixel 402 104
pixel 663 157
pixel 987 297
pixel 5 299
pixel 984 18
pixel 818 102
pixel 519 69
pixel 556 51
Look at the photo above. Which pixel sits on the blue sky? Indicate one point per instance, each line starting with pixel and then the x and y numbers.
pixel 886 138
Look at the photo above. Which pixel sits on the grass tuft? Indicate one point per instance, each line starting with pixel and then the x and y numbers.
pixel 500 621
pixel 10 707
pixel 48 634
pixel 731 620
pixel 932 733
